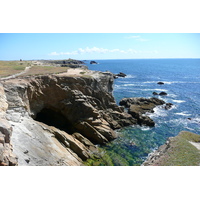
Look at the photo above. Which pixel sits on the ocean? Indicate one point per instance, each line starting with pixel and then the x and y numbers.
pixel 181 79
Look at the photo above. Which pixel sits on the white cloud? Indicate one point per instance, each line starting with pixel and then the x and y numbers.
pixel 133 37
pixel 137 38
pixel 100 50
pixel 142 39
pixel 54 54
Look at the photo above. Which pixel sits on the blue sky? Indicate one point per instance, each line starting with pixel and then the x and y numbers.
pixel 87 46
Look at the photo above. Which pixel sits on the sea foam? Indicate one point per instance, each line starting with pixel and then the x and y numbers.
pixel 178 101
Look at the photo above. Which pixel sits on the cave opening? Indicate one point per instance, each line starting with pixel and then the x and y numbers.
pixel 56 119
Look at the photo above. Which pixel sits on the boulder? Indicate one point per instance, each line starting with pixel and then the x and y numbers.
pixel 121 74
pixel 137 107
pixel 93 62
pixel 137 112
pixel 162 93
pixel 160 83
pixel 167 106
pixel 155 93
pixel 127 102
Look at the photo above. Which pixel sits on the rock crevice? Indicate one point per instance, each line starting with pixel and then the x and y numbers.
pixel 58 119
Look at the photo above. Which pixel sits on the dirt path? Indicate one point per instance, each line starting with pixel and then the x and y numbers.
pixel 196 144
pixel 16 75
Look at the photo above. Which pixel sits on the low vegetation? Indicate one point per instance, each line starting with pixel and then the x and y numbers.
pixel 8 68
pixel 182 152
pixel 40 70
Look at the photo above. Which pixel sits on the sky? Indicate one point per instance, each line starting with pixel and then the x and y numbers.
pixel 90 46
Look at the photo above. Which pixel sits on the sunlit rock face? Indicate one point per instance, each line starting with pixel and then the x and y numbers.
pixel 58 119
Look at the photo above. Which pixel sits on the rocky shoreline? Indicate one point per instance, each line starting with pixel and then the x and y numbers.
pixel 59 119
pixel 81 103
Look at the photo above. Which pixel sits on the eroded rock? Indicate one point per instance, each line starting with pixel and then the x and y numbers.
pixel 138 106
pixel 58 119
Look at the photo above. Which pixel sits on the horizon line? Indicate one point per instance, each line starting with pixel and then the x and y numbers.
pixel 97 59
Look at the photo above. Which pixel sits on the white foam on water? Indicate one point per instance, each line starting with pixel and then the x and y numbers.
pixel 196 120
pixel 178 101
pixel 130 76
pixel 172 95
pixel 167 82
pixel 145 128
pixel 163 90
pixel 184 113
pixel 130 84
pixel 158 112
pixel 122 81
pixel 151 82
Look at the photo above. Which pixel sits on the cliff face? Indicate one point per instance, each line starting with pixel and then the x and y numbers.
pixel 57 119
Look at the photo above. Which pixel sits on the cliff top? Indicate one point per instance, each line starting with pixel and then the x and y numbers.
pixel 12 69
pixel 182 150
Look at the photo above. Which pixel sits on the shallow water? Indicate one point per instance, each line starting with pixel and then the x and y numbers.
pixel 182 84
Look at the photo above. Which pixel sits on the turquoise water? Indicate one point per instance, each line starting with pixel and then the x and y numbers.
pixel 182 84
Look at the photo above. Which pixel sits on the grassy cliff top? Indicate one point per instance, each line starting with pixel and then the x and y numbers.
pixel 8 68
pixel 40 67
pixel 183 150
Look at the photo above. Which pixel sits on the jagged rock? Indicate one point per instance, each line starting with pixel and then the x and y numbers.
pixel 147 103
pixel 93 62
pixel 155 93
pixel 46 112
pixel 139 106
pixel 162 93
pixel 121 74
pixel 167 106
pixel 160 83
pixel 136 111
pixel 85 141
pixel 7 157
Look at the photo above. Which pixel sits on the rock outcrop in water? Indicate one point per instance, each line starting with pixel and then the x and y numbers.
pixel 138 106
pixel 57 119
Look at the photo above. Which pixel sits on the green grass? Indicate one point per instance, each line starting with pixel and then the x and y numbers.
pixel 8 68
pixel 181 151
pixel 42 70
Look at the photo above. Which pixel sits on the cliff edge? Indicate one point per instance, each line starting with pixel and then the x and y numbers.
pixel 57 119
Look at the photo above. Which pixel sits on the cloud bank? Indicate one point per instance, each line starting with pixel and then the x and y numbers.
pixel 100 50
pixel 137 38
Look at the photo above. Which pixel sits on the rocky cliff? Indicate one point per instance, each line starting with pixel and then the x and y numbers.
pixel 57 119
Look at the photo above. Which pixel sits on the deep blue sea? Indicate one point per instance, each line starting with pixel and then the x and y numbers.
pixel 181 79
